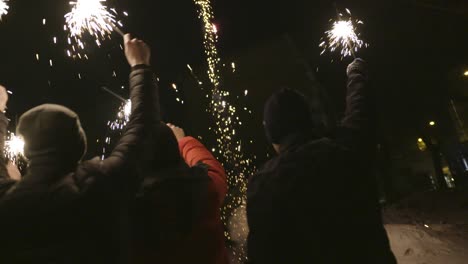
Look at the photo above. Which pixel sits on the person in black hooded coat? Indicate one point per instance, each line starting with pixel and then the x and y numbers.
pixel 316 202
pixel 65 210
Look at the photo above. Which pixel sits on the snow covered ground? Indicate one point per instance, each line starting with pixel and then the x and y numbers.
pixel 429 228
pixel 426 228
pixel 436 244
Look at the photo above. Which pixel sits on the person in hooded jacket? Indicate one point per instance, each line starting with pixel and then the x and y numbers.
pixel 178 207
pixel 65 210
pixel 316 201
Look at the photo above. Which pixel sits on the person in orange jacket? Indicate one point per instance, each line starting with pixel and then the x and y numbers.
pixel 194 152
pixel 179 205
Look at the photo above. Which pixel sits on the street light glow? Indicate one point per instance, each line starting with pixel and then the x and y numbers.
pixel 466 73
pixel 422 145
pixel 432 123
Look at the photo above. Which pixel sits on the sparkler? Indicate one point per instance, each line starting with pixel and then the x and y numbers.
pixel 125 110
pixel 14 147
pixel 3 8
pixel 123 116
pixel 91 17
pixel 343 36
pixel 117 125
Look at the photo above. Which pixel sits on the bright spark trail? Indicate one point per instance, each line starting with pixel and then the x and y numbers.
pixel 3 8
pixel 227 122
pixel 210 39
pixel 343 36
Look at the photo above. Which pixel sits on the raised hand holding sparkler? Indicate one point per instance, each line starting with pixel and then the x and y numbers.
pixel 343 36
pixel 136 51
pixel 3 8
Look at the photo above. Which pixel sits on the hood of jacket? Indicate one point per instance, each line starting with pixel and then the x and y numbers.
pixel 286 113
pixel 52 133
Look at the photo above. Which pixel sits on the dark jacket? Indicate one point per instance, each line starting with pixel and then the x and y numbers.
pixel 316 202
pixel 62 212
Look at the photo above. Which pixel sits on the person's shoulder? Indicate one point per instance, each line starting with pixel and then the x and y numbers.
pixel 265 177
pixel 320 149
pixel 5 185
pixel 314 157
pixel 86 173
pixel 266 169
pixel 324 143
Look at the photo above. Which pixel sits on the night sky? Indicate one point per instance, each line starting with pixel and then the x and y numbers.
pixel 418 53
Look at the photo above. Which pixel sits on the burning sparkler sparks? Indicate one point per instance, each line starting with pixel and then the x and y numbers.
pixel 343 36
pixel 90 17
pixel 123 116
pixel 3 8
pixel 127 110
pixel 14 147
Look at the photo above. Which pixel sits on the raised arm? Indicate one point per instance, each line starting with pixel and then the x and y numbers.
pixel 145 107
pixel 358 124
pixel 194 152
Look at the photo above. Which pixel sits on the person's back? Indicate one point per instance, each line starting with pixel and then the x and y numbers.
pixel 53 221
pixel 316 202
pixel 64 210
pixel 308 207
pixel 177 210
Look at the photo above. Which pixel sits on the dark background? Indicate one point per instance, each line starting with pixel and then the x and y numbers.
pixel 417 56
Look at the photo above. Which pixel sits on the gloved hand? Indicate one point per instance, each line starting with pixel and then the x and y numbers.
pixel 136 51
pixel 357 65
pixel 178 132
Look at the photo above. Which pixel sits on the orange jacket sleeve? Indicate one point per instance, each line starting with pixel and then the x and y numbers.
pixel 194 152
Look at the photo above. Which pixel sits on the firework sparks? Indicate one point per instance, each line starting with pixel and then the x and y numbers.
pixel 3 8
pixel 343 36
pixel 127 110
pixel 210 40
pixel 14 147
pixel 123 116
pixel 227 121
pixel 89 17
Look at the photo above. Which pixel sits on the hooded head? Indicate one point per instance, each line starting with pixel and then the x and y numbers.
pixel 52 131
pixel 286 113
pixel 161 149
